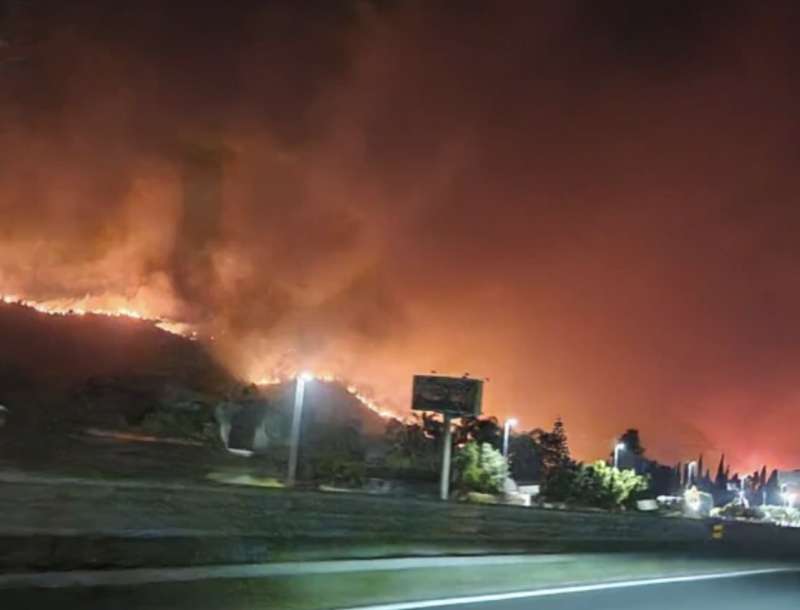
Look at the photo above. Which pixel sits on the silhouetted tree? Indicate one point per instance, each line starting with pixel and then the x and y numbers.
pixel 633 444
pixel 411 446
pixel 721 480
pixel 558 469
pixel 481 430
pixel 433 426
pixel 524 457
pixel 773 489
pixel 663 479
pixel 553 448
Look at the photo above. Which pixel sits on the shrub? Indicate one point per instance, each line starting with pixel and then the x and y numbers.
pixel 737 510
pixel 596 484
pixel 340 470
pixel 782 515
pixel 599 484
pixel 480 467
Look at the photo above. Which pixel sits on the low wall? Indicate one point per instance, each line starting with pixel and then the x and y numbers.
pixel 70 526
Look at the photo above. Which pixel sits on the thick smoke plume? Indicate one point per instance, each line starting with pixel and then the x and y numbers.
pixel 593 204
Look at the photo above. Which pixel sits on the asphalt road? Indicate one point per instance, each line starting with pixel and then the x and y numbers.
pixel 773 591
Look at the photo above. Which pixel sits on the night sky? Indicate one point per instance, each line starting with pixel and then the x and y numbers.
pixel 594 204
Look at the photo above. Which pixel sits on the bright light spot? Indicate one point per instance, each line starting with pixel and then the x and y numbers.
pixel 692 499
pixel 512 422
pixel 620 447
pixel 351 388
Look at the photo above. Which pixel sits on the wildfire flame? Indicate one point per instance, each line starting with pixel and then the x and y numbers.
pixel 81 308
pixel 75 308
pixel 332 378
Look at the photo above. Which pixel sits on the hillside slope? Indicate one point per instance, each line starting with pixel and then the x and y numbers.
pixel 70 373
pixel 65 371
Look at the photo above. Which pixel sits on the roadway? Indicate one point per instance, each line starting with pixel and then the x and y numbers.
pixel 775 588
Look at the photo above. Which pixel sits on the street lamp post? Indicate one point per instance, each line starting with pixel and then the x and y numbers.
pixel 618 448
pixel 742 494
pixel 691 473
pixel 294 436
pixel 788 496
pixel 509 423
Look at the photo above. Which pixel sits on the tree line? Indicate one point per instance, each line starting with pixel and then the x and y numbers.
pixel 543 456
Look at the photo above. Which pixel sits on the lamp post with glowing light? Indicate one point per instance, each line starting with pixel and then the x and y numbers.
pixel 509 423
pixel 691 472
pixel 618 448
pixel 294 436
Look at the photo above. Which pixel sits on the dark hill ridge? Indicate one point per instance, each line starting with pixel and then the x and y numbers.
pixel 63 373
pixel 94 370
pixel 62 349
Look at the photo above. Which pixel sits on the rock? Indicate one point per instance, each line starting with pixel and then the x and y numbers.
pixel 517 499
pixel 531 490
pixel 246 424
pixel 509 486
pixel 480 498
pixel 244 479
pixel 646 505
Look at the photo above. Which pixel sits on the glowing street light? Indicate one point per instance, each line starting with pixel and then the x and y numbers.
pixel 509 423
pixel 692 498
pixel 297 413
pixel 618 448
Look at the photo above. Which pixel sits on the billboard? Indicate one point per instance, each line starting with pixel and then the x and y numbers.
pixel 456 396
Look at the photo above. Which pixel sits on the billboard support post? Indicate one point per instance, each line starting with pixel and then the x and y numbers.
pixel 447 444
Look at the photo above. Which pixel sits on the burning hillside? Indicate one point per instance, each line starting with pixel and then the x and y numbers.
pixel 88 369
pixel 117 371
pixel 84 306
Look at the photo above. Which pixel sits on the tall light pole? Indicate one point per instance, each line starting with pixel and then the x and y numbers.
pixel 742 493
pixel 509 423
pixel 618 448
pixel 294 435
pixel 691 473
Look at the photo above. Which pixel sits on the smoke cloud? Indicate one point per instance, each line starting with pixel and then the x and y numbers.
pixel 593 207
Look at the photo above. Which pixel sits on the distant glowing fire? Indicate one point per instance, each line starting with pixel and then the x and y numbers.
pixel 331 378
pixel 83 307
pixel 65 307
